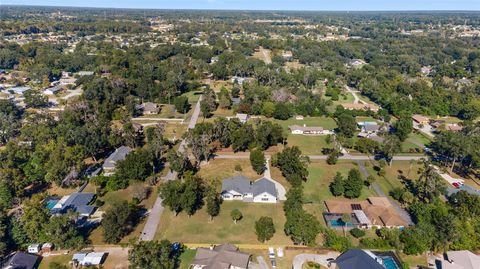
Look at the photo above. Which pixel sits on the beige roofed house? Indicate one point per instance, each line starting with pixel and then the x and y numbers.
pixel 420 119
pixel 224 256
pixel 378 210
pixel 462 259
pixel 150 108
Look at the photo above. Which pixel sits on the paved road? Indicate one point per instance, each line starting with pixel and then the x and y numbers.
pixel 401 212
pixel 299 260
pixel 155 214
pixel 156 119
pixel 324 157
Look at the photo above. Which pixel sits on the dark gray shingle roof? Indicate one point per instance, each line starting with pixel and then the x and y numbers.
pixel 264 185
pixel 357 259
pixel 78 202
pixel 243 185
pixel 239 184
pixel 118 155
pixel 22 260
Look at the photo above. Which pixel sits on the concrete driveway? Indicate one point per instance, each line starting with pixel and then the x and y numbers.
pixel 282 192
pixel 153 219
pixel 262 264
pixel 318 258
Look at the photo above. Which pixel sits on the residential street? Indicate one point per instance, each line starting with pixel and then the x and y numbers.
pixel 324 157
pixel 155 214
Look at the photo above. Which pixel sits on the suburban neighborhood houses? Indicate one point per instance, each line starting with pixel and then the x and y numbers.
pixel 227 139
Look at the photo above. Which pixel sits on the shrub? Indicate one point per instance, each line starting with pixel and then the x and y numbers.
pixel 238 168
pixel 357 233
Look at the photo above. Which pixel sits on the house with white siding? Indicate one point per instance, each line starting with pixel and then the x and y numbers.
pixel 241 188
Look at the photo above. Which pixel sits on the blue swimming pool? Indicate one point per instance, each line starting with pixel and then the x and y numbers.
pixel 389 263
pixel 51 203
pixel 339 223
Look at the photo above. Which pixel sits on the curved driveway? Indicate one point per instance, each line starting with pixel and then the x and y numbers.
pixel 321 259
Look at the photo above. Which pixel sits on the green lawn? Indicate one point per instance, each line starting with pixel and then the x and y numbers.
pixel 220 112
pixel 219 169
pixel 193 96
pixel 309 145
pixel 325 122
pixel 199 229
pixel 391 179
pixel 414 141
pixel 61 259
pixel 186 258
pixel 316 188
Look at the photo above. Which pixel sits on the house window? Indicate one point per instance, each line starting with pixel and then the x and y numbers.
pixel 264 199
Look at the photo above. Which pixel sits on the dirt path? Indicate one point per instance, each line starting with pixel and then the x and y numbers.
pixel 355 96
pixel 266 55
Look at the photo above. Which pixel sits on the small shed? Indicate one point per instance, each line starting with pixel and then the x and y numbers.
pixel 47 247
pixel 34 248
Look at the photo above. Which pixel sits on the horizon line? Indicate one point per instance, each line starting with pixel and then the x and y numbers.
pixel 251 10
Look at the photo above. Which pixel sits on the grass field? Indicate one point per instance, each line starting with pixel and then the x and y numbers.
pixel 220 112
pixel 391 179
pixel 175 130
pixel 414 141
pixel 186 258
pixel 325 122
pixel 309 145
pixel 219 169
pixel 61 259
pixel 316 188
pixel 193 96
pixel 199 229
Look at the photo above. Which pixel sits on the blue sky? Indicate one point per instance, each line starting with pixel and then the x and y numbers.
pixel 265 4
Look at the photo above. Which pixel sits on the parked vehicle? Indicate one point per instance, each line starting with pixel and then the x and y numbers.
pixel 274 263
pixel 271 253
pixel 280 252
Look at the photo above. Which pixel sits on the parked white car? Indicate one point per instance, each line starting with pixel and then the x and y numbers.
pixel 271 253
pixel 280 252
